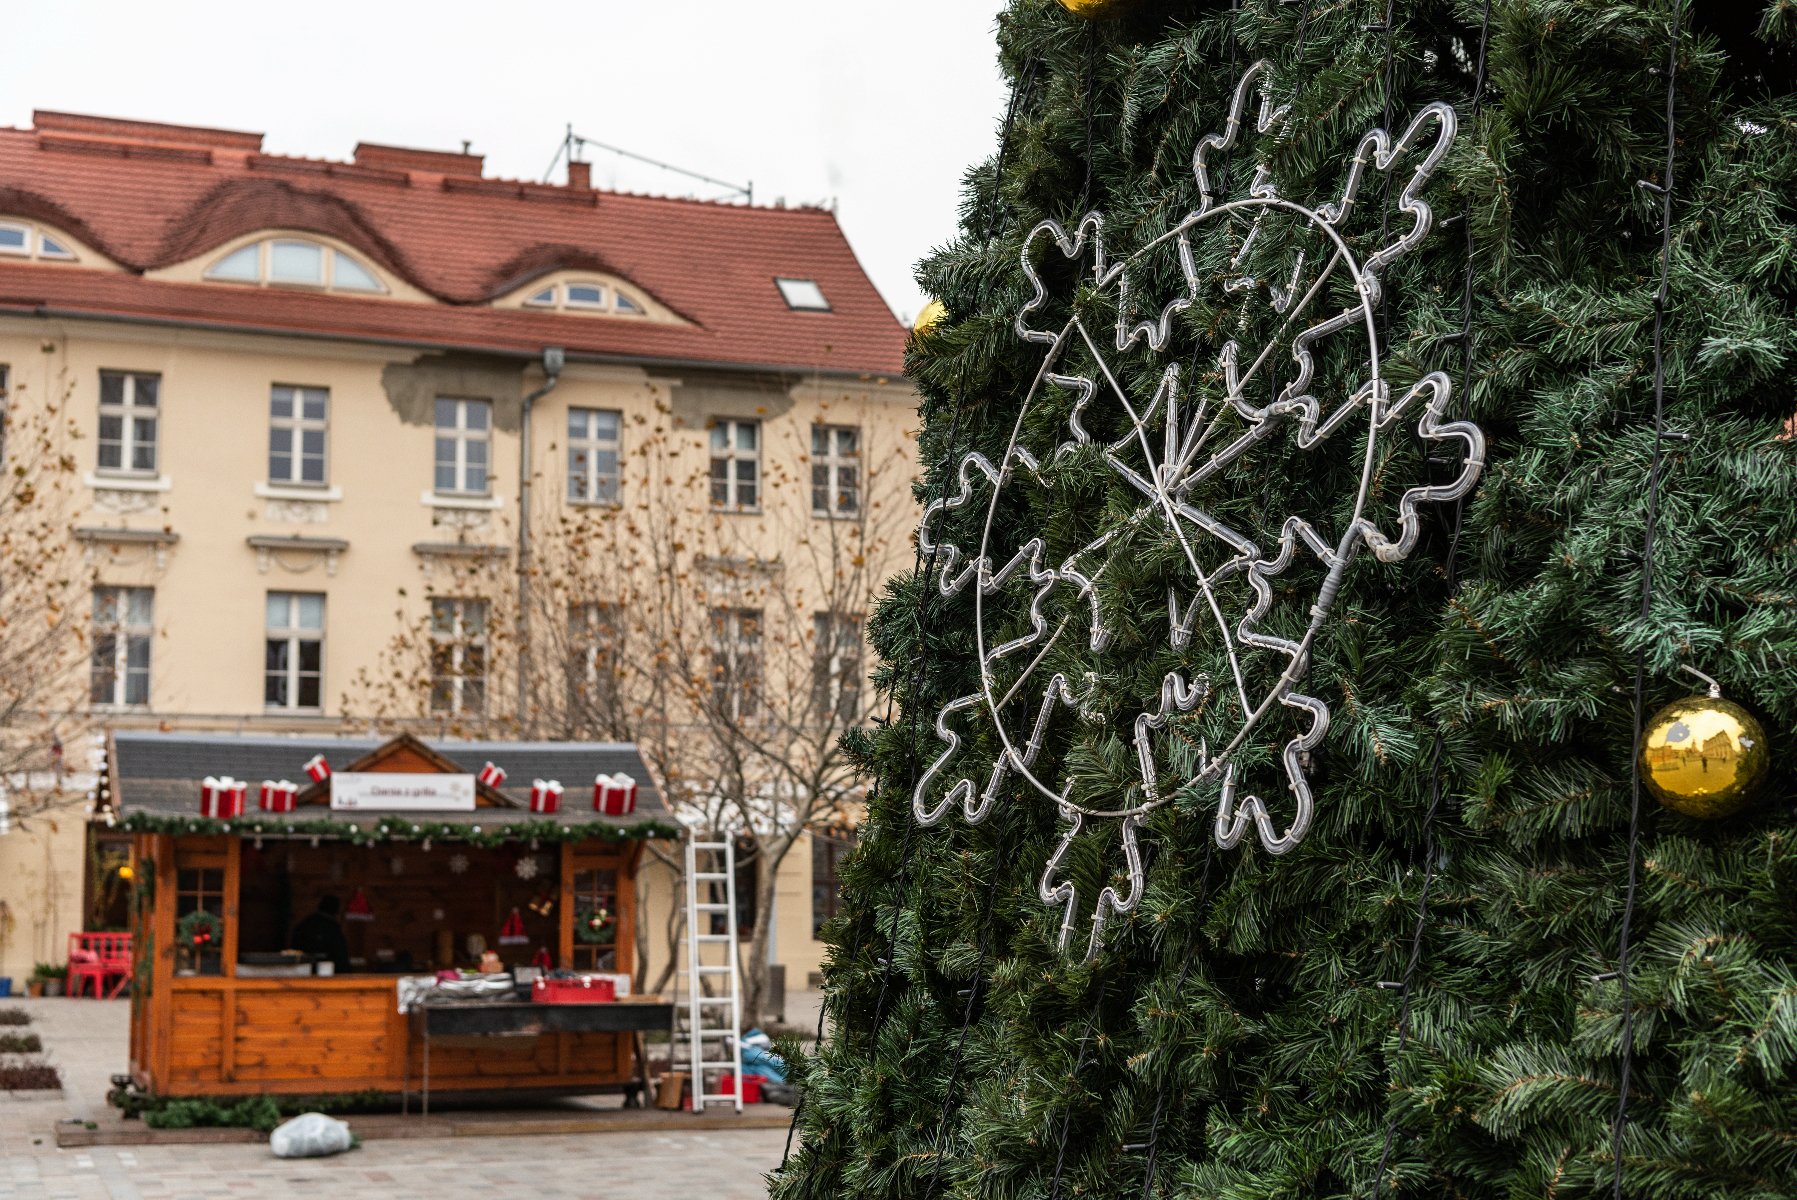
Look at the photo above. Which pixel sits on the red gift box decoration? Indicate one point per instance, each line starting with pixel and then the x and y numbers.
pixel 512 932
pixel 317 769
pixel 614 795
pixel 545 796
pixel 276 796
pixel 222 798
pixel 492 776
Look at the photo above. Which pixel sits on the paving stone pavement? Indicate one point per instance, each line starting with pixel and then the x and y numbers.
pixel 86 1039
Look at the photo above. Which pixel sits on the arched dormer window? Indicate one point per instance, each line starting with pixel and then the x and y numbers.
pixel 26 239
pixel 295 262
pixel 586 296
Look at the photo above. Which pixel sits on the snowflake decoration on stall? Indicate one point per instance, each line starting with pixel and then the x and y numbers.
pixel 1187 436
pixel 458 864
pixel 527 867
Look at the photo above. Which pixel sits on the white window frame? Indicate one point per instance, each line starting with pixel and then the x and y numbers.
pixel 292 634
pixel 841 472
pixel 327 281
pixel 802 295
pixel 584 478
pixel 124 632
pixel 596 636
pixel 130 413
pixel 613 300
pixel 462 436
pixel 34 243
pixel 297 426
pixel 736 660
pixel 732 455
pixel 837 670
pixel 459 635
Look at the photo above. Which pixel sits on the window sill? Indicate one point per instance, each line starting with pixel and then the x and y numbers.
pixel 835 516
pixel 440 500
pixel 299 491
pixel 127 483
pixel 722 511
pixel 608 504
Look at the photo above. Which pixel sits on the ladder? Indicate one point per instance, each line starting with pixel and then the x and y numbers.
pixel 708 1006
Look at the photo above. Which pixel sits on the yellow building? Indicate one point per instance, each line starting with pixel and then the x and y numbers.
pixel 296 400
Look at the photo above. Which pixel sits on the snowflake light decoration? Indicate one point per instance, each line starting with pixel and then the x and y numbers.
pixel 527 868
pixel 458 864
pixel 1142 474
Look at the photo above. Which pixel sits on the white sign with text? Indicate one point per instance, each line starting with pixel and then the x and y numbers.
pixel 378 791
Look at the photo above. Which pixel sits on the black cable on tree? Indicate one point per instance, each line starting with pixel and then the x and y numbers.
pixel 1465 338
pixel 1664 188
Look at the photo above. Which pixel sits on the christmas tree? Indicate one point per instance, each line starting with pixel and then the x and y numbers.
pixel 1264 807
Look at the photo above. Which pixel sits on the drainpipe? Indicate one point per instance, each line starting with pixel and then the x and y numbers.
pixel 553 358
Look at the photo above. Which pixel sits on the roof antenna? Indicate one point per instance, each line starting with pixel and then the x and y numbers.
pixel 465 145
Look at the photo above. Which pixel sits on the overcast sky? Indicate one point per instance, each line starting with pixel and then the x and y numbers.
pixel 879 105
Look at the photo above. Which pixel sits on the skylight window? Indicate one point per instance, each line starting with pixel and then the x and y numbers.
pixel 297 262
pixel 585 295
pixel 542 299
pixel 803 295
pixel 21 239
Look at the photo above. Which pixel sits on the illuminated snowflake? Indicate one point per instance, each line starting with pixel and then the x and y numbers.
pixel 1189 434
pixel 458 864
pixel 528 867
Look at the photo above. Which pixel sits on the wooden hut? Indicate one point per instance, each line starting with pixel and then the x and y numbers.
pixel 431 859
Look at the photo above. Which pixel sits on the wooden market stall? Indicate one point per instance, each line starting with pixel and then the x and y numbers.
pixel 424 859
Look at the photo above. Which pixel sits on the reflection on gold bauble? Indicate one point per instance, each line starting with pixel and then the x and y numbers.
pixel 1098 9
pixel 1703 756
pixel 933 314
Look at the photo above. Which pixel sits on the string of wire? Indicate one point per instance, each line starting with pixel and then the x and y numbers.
pixel 1655 468
pixel 1465 337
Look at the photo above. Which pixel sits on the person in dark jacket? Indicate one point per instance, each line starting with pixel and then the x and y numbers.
pixel 321 934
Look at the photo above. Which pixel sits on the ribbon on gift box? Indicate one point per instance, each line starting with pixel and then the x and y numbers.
pixel 277 795
pixel 545 796
pixel 317 769
pixel 492 776
pixel 614 795
pixel 222 797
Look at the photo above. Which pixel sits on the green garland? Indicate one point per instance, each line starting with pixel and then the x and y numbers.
pixel 390 829
pixel 200 930
pixel 595 926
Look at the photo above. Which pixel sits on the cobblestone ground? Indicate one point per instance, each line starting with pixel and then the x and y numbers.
pixel 86 1039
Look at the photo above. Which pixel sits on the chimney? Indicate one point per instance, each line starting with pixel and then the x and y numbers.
pixel 580 176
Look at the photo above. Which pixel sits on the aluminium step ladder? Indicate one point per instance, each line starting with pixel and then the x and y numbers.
pixel 708 1007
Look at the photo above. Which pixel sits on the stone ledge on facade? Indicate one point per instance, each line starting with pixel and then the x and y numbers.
pixel 157 540
pixel 268 546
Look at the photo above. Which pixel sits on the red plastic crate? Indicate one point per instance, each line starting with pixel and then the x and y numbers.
pixel 751 1086
pixel 583 990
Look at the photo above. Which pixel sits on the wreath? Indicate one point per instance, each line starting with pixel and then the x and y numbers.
pixel 200 930
pixel 594 926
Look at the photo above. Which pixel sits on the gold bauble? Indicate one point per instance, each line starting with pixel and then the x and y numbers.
pixel 933 314
pixel 1703 756
pixel 1098 10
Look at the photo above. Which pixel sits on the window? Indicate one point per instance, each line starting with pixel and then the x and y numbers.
pixel 20 239
pixel 298 418
pixel 586 296
pixel 835 471
pixel 293 664
pixel 596 890
pixel 297 262
pixel 128 408
pixel 594 639
pixel 593 455
pixel 836 670
pixel 803 295
pixel 463 436
pixel 200 886
pixel 736 661
pixel 123 627
pixel 828 848
pixel 458 655
pixel 735 465
pixel 5 408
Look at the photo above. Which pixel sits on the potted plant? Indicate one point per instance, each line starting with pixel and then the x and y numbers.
pixel 47 979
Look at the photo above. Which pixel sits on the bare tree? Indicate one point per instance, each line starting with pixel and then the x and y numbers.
pixel 727 645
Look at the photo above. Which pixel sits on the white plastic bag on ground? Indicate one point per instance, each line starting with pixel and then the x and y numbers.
pixel 310 1135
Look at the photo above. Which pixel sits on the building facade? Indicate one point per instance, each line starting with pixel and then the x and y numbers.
pixel 388 442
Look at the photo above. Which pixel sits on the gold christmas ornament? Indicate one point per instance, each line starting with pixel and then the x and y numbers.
pixel 933 314
pixel 1098 10
pixel 1703 756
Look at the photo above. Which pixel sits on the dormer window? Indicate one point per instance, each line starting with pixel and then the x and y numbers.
pixel 295 262
pixel 587 296
pixel 802 295
pixel 21 239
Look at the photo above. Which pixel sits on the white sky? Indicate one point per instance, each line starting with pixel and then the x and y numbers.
pixel 879 104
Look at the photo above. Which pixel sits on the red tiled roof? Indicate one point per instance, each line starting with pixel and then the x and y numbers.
pixel 149 195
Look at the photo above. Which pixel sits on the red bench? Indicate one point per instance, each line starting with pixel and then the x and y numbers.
pixel 98 958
